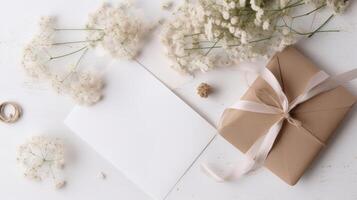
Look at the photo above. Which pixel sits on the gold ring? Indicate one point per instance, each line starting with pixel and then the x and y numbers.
pixel 12 117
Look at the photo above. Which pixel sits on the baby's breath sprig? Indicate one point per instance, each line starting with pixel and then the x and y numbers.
pixel 42 157
pixel 116 29
pixel 38 61
pixel 70 53
pixel 210 33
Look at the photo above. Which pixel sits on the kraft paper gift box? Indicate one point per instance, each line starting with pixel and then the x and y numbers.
pixel 294 149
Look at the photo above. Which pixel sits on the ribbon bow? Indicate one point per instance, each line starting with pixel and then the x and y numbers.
pixel 258 152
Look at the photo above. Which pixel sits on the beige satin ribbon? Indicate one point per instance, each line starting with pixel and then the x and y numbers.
pixel 257 154
pixel 262 95
pixel 12 117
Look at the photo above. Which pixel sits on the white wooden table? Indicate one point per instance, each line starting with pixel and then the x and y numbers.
pixel 332 176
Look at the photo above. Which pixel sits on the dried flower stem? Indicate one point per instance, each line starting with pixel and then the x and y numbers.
pixel 310 12
pixel 209 50
pixel 78 29
pixel 200 42
pixel 232 45
pixel 75 42
pixel 268 38
pixel 68 54
pixel 309 33
pixel 76 66
pixel 322 25
pixel 313 32
pixel 194 34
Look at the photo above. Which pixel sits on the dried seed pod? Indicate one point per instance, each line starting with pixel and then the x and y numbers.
pixel 203 90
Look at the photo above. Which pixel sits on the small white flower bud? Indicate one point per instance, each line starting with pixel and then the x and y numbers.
pixel 217 33
pixel 286 31
pixel 232 4
pixel 242 3
pixel 234 20
pixel 232 29
pixel 225 15
pixel 237 33
pixel 266 25
pixel 217 22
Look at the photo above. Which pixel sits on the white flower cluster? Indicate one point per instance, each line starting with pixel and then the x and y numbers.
pixel 209 33
pixel 119 30
pixel 36 61
pixel 35 53
pixel 87 88
pixel 187 29
pixel 122 30
pixel 42 157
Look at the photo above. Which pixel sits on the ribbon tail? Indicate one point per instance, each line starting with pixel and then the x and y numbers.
pixel 238 172
pixel 247 165
pixel 254 157
pixel 209 171
pixel 268 142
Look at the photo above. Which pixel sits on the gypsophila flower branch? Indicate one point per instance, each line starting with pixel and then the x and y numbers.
pixel 37 60
pixel 240 29
pixel 117 30
pixel 42 157
pixel 122 30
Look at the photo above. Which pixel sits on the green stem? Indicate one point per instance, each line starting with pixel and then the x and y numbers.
pixel 308 13
pixel 292 6
pixel 309 33
pixel 259 40
pixel 68 54
pixel 78 29
pixel 209 50
pixel 329 31
pixel 81 57
pixel 74 42
pixel 201 42
pixel 196 48
pixel 253 41
pixel 322 25
pixel 232 45
pixel 76 66
pixel 192 34
pixel 313 32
